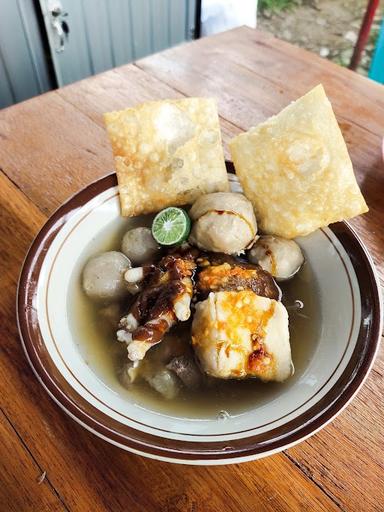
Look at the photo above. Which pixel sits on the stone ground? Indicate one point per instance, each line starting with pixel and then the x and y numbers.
pixel 327 27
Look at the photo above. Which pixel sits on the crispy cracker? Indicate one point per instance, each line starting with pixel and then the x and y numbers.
pixel 166 153
pixel 296 170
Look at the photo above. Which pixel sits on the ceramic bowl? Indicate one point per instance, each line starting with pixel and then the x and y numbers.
pixel 349 327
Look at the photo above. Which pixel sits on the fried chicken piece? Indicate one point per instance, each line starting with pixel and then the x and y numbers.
pixel 165 298
pixel 220 272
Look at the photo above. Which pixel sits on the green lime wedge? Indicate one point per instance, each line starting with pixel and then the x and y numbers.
pixel 171 226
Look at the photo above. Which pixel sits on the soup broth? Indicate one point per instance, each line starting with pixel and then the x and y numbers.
pixel 96 340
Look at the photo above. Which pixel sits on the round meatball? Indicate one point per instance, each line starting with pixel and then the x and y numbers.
pixel 139 245
pixel 279 256
pixel 103 276
pixel 224 222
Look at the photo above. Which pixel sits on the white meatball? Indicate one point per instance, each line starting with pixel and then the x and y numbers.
pixel 103 276
pixel 139 245
pixel 224 222
pixel 279 256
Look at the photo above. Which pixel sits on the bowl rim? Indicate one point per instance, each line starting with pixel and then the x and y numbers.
pixel 183 451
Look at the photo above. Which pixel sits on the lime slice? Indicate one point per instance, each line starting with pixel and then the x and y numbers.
pixel 171 226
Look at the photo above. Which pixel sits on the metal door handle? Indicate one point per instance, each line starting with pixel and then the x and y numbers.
pixel 60 27
pixel 57 26
pixel 57 10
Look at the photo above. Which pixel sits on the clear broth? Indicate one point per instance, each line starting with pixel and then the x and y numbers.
pixel 104 355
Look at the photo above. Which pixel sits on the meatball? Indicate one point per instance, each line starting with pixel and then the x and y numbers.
pixel 279 256
pixel 139 245
pixel 224 222
pixel 103 276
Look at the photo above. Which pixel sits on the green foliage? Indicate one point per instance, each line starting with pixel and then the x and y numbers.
pixel 276 5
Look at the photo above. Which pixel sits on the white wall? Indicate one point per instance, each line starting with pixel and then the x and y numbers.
pixel 220 15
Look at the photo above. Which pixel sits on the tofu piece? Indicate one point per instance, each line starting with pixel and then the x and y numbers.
pixel 240 334
pixel 167 153
pixel 296 170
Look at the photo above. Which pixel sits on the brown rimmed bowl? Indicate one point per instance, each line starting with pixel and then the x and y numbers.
pixel 350 312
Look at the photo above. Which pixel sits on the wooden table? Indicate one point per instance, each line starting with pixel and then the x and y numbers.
pixel 53 145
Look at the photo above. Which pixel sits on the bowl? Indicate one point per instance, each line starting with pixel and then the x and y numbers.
pixel 349 313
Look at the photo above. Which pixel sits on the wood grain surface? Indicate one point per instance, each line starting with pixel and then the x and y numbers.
pixel 53 145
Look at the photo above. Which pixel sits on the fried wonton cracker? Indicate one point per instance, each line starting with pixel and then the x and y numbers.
pixel 166 153
pixel 296 170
